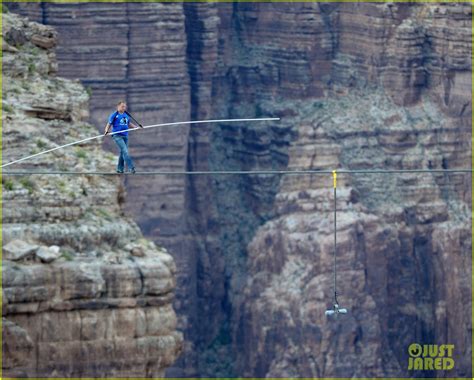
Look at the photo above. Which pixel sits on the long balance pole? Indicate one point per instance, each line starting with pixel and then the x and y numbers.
pixel 133 129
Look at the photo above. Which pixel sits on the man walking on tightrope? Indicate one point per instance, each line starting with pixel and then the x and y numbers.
pixel 120 121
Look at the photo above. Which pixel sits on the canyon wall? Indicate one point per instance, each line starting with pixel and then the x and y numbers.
pixel 357 85
pixel 84 293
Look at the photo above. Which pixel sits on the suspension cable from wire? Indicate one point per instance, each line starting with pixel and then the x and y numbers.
pixel 334 175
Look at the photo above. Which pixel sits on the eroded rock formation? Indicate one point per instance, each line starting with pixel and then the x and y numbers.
pixel 84 294
pixel 358 85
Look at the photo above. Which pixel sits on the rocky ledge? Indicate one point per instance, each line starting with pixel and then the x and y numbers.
pixel 84 294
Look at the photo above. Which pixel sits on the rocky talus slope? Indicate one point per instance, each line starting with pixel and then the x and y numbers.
pixel 358 85
pixel 84 294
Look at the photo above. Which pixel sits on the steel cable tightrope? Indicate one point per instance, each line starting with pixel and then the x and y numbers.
pixel 243 172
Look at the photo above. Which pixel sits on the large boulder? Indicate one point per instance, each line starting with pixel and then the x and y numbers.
pixel 18 250
pixel 48 254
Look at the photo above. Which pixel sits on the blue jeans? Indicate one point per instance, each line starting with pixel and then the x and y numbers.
pixel 122 142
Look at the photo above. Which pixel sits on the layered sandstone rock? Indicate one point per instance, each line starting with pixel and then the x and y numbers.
pixel 84 294
pixel 404 244
pixel 357 85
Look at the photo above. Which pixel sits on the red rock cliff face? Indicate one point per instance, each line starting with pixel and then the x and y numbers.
pixel 357 86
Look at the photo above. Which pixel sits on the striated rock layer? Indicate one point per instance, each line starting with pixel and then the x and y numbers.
pixel 358 85
pixel 403 247
pixel 84 294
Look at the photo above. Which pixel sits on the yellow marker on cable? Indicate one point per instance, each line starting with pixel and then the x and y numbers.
pixel 334 175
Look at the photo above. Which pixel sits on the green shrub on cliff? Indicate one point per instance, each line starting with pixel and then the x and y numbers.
pixel 28 184
pixel 67 256
pixel 103 214
pixel 7 108
pixel 8 184
pixel 81 153
pixel 40 144
pixel 31 68
pixel 61 186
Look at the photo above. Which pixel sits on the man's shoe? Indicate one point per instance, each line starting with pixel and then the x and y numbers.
pixel 132 170
pixel 119 171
